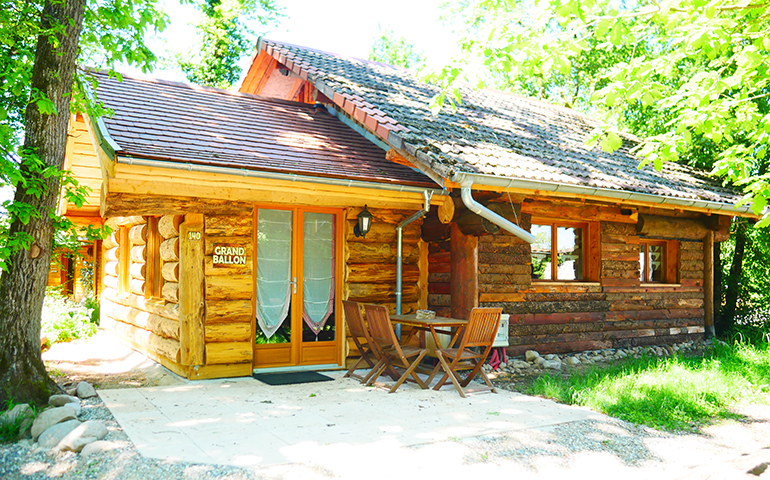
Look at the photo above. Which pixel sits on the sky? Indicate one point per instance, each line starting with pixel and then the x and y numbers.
pixel 346 27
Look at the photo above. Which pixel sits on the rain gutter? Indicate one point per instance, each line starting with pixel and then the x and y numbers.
pixel 289 177
pixel 484 212
pixel 400 250
pixel 506 182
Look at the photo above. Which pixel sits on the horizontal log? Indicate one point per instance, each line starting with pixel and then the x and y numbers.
pixel 230 352
pixel 114 221
pixel 168 225
pixel 671 227
pixel 440 257
pixel 377 292
pixel 504 268
pixel 120 203
pixel 168 310
pixel 136 286
pixel 228 311
pixel 358 252
pixel 171 292
pixel 228 332
pixel 110 281
pixel 138 234
pixel 112 254
pixel 439 267
pixel 691 246
pixel 506 248
pixel 138 270
pixel 506 278
pixel 235 226
pixel 165 327
pixel 166 347
pixel 439 300
pixel 620 256
pixel 607 238
pixel 685 255
pixel 139 253
pixel 433 230
pixel 380 273
pixel 384 233
pixel 210 270
pixel 582 212
pixel 170 271
pixel 470 223
pixel 691 265
pixel 690 274
pixel 111 241
pixel 233 287
pixel 440 287
pixel 169 250
pixel 111 268
pixel 504 258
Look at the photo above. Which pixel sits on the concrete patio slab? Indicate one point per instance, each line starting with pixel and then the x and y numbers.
pixel 243 422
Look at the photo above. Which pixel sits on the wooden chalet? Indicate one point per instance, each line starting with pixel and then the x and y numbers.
pixel 235 217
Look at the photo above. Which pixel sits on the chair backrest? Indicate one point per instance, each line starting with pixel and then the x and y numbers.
pixel 380 327
pixel 482 327
pixel 356 324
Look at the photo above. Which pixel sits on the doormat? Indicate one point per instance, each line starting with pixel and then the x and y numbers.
pixel 291 378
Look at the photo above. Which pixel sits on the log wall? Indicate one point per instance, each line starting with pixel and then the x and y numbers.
pixel 616 311
pixel 148 325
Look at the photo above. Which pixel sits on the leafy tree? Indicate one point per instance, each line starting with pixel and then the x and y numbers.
pixel 396 51
pixel 699 66
pixel 42 42
pixel 225 38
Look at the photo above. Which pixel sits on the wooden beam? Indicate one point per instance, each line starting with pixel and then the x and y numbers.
pixel 191 299
pixel 465 268
pixel 708 283
pixel 671 227
pixel 582 212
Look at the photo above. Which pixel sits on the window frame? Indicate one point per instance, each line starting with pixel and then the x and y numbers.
pixel 590 260
pixel 670 257
pixel 124 260
pixel 153 281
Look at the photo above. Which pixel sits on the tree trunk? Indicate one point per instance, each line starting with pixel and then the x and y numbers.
pixel 732 286
pixel 22 287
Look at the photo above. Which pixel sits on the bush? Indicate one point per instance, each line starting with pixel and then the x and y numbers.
pixel 65 320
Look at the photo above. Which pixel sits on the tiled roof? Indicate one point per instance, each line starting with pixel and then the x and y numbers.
pixel 186 123
pixel 490 133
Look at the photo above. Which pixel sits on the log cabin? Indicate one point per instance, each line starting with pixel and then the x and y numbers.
pixel 238 217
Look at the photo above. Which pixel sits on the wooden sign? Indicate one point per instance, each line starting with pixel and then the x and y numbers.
pixel 227 255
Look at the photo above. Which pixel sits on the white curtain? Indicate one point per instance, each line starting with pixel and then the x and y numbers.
pixel 318 270
pixel 273 268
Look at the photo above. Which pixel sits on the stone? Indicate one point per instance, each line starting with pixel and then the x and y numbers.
pixel 539 360
pixel 98 446
pixel 550 356
pixel 51 437
pixel 82 435
pixel 669 349
pixel 85 390
pixel 531 355
pixel 520 364
pixel 51 417
pixel 60 400
pixel 552 364
pixel 21 410
pixel 72 391
pixel 572 361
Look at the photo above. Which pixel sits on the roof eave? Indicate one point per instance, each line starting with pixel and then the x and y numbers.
pixel 603 193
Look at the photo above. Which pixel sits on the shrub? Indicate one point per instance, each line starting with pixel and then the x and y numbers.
pixel 65 320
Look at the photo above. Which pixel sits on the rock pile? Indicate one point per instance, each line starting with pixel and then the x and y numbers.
pixel 57 428
pixel 534 362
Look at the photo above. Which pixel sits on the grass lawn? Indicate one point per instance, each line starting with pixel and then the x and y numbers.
pixel 674 393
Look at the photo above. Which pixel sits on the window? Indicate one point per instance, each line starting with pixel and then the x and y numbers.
pixel 124 260
pixel 564 242
pixel 153 282
pixel 652 261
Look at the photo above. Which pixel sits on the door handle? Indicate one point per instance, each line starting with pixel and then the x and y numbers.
pixel 294 286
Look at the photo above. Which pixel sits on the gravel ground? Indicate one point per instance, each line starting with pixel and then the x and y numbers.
pixel 590 449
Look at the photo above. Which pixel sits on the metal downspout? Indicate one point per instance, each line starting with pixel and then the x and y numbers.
pixel 481 210
pixel 400 250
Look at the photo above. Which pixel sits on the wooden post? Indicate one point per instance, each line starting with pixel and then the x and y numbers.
pixel 708 283
pixel 191 300
pixel 465 273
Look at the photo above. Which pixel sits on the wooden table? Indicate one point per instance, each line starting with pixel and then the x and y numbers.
pixel 436 325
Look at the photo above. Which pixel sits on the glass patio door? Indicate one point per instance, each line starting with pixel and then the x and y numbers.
pixel 297 281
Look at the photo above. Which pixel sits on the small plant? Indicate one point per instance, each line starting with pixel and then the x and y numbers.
pixel 10 430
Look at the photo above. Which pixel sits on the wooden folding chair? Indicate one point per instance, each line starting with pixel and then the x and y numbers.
pixel 474 348
pixel 361 338
pixel 393 354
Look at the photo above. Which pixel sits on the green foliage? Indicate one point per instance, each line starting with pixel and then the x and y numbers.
pixel 225 38
pixel 65 320
pixel 691 76
pixel 669 393
pixel 396 51
pixel 113 32
pixel 10 431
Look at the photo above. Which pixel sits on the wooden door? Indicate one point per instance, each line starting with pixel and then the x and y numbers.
pixel 297 287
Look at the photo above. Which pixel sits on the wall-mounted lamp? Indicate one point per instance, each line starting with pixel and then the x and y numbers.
pixel 364 223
